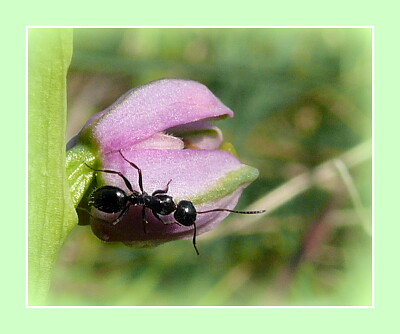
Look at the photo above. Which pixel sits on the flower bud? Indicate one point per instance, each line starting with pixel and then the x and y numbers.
pixel 164 129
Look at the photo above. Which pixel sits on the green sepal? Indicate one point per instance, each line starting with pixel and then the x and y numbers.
pixel 227 185
pixel 79 175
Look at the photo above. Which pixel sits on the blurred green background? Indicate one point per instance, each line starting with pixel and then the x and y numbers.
pixel 302 103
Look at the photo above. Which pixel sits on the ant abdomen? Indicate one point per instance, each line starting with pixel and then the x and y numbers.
pixel 108 199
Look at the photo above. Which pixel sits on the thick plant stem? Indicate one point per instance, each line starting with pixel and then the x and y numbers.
pixel 50 211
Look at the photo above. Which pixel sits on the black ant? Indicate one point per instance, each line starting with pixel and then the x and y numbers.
pixel 110 199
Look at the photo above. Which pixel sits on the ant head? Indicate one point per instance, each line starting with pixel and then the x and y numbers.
pixel 185 213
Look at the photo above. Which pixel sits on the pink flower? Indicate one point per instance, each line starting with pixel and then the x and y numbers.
pixel 163 128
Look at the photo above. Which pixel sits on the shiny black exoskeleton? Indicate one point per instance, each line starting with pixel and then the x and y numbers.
pixel 110 199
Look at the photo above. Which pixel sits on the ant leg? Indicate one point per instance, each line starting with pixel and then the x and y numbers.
pixel 121 215
pixel 157 216
pixel 127 183
pixel 85 210
pixel 119 218
pixel 83 220
pixel 144 220
pixel 137 168
pixel 162 191
pixel 194 236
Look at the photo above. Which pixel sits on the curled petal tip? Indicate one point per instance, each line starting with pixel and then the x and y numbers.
pixel 152 108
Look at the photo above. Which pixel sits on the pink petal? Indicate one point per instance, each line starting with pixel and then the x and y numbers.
pixel 152 108
pixel 160 141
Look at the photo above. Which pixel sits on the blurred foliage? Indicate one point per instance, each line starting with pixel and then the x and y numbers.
pixel 301 97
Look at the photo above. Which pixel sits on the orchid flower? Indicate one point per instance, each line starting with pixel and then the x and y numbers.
pixel 164 128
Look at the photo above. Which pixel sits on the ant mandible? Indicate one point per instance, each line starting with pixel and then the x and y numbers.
pixel 111 199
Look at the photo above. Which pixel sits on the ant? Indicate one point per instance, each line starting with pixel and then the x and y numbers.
pixel 111 199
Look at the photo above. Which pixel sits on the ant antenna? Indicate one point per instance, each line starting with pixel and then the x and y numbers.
pixel 235 211
pixel 194 239
pixel 226 210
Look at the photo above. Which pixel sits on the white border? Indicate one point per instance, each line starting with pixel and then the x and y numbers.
pixel 210 307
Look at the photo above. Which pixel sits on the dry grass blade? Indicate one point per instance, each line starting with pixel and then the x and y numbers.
pixel 325 172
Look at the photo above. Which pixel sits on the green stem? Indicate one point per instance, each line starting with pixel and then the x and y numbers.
pixel 50 210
